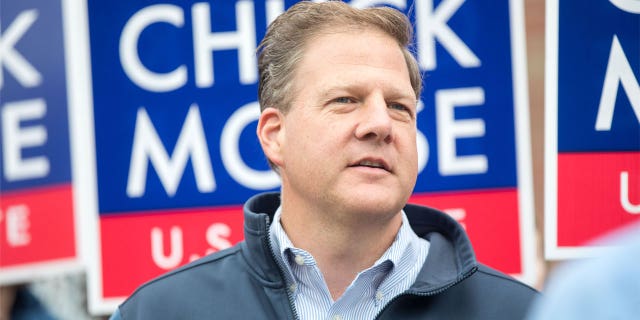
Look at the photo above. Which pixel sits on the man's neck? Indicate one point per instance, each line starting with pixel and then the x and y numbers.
pixel 341 249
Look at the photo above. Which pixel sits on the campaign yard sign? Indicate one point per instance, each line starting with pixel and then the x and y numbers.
pixel 171 152
pixel 37 215
pixel 592 122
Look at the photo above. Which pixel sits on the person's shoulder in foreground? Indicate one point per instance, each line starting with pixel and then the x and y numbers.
pixel 604 287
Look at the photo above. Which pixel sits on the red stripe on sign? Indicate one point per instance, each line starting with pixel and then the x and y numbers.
pixel 137 247
pixel 592 199
pixel 36 225
pixel 491 219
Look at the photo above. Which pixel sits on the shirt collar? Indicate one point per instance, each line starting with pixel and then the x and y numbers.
pixel 400 253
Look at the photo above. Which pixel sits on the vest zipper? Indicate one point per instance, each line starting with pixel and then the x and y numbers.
pixel 269 246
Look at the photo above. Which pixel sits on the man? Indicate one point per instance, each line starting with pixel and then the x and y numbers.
pixel 338 91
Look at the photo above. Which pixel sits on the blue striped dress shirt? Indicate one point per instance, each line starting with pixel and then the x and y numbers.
pixel 393 273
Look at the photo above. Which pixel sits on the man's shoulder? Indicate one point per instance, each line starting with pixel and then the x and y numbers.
pixel 498 291
pixel 192 276
pixel 221 285
pixel 496 295
pixel 507 282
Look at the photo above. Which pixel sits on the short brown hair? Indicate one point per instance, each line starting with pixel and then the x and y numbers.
pixel 283 45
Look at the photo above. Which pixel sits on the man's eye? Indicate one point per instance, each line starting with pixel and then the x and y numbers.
pixel 402 109
pixel 343 100
pixel 399 107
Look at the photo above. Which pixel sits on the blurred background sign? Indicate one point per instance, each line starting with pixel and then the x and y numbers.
pixel 474 127
pixel 592 161
pixel 37 216
pixel 165 112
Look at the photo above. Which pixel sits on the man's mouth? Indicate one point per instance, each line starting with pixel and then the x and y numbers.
pixel 378 164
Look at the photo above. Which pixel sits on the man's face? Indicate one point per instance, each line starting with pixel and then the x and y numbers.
pixel 349 138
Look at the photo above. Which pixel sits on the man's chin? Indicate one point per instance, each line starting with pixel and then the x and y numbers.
pixel 375 205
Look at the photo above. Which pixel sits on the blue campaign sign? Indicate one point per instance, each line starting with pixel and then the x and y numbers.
pixel 166 71
pixel 34 98
pixel 37 216
pixel 466 51
pixel 174 103
pixel 592 160
pixel 154 63
pixel 600 43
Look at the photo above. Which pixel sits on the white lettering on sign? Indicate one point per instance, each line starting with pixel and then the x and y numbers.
pixel 17 225
pixel 449 130
pixel 431 25
pixel 131 64
pixel 147 147
pixel 273 9
pixel 422 143
pixel 217 237
pixel 175 255
pixel 205 41
pixel 11 59
pixel 624 195
pixel 618 72
pixel 16 138
pixel 230 151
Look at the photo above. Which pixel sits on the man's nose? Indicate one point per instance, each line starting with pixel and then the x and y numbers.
pixel 375 121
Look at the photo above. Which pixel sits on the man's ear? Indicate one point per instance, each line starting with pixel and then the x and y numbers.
pixel 271 134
